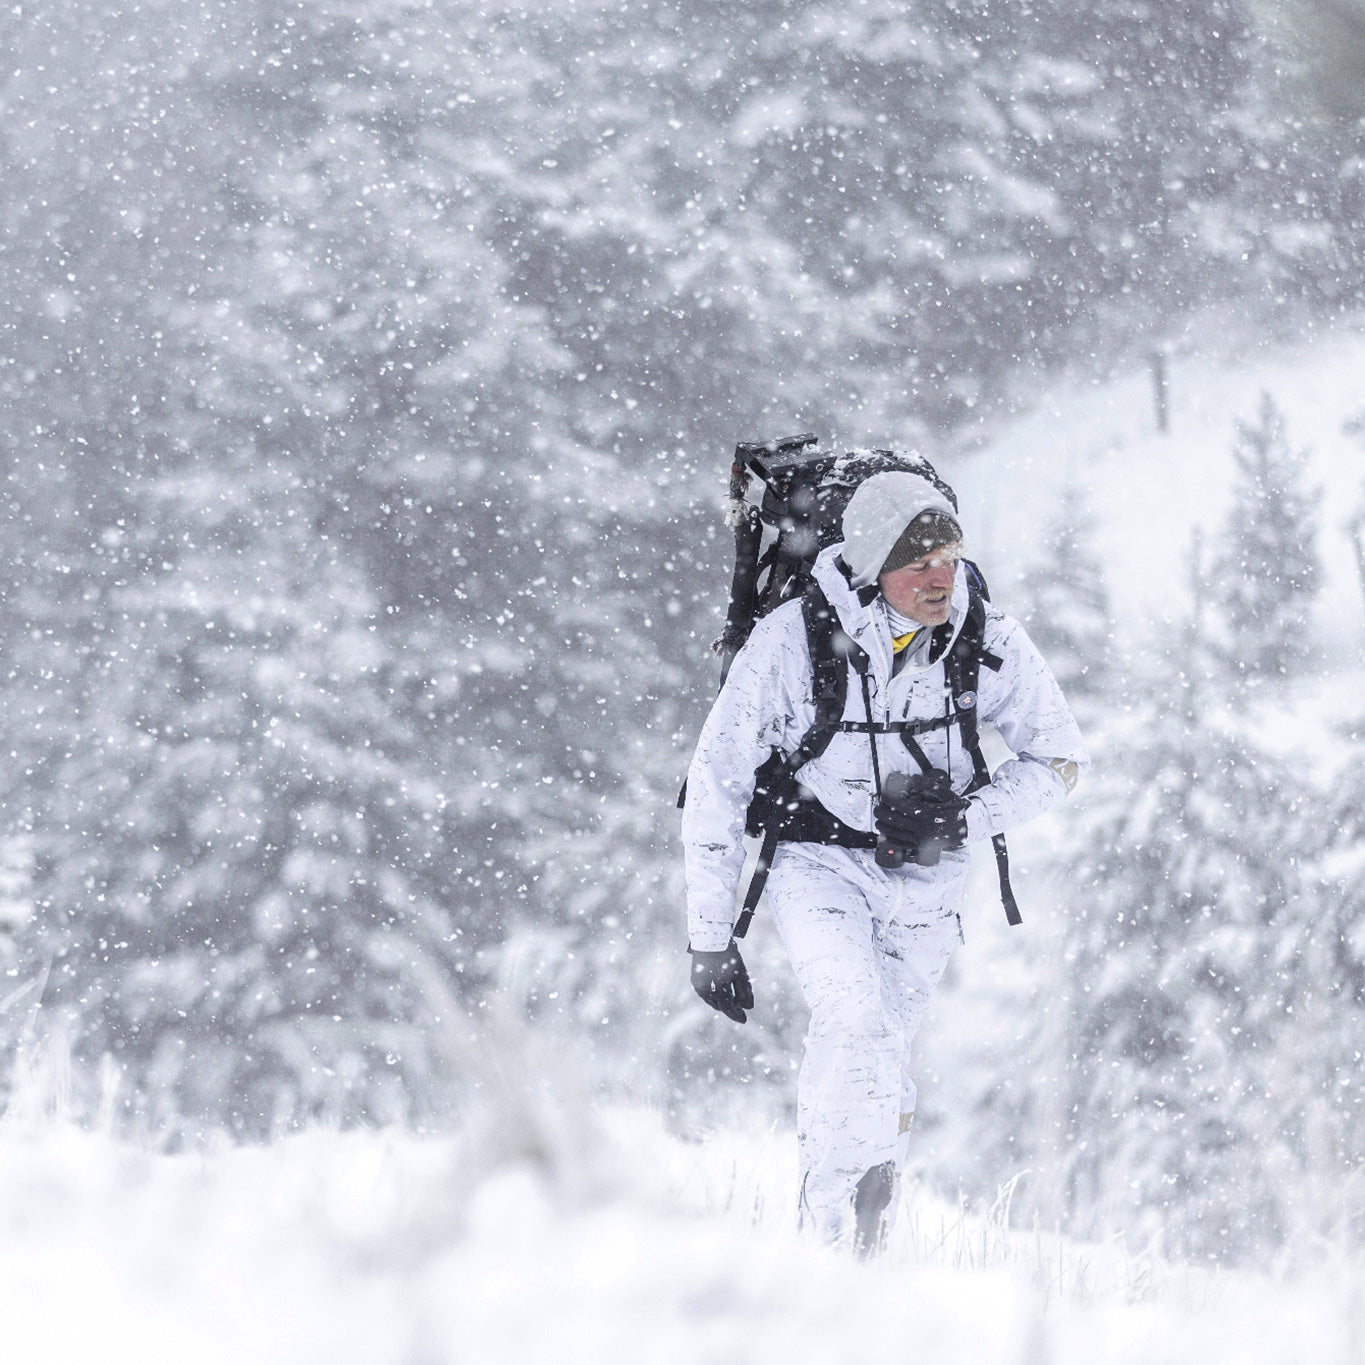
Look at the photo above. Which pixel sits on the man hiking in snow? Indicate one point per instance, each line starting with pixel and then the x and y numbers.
pixel 872 833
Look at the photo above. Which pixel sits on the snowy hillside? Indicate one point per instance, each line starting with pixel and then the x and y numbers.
pixel 1150 490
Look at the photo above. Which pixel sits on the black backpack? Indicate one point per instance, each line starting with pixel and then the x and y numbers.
pixel 787 501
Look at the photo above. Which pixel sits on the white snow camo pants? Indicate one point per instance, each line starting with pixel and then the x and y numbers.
pixel 867 957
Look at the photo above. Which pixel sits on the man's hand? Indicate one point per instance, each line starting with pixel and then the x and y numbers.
pixel 722 981
pixel 922 815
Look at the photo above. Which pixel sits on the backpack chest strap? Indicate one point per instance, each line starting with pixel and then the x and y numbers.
pixel 905 727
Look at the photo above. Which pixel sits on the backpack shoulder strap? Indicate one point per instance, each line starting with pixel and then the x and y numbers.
pixel 964 664
pixel 832 652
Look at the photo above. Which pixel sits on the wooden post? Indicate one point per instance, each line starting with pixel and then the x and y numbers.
pixel 1163 421
pixel 1353 529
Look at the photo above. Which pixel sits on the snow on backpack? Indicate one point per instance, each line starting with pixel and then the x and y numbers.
pixel 787 500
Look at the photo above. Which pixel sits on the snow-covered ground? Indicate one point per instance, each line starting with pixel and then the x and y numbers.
pixel 373 1248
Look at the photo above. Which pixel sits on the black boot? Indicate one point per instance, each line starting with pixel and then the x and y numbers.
pixel 870 1200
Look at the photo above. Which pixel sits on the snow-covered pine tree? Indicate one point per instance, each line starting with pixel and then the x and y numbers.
pixel 1267 568
pixel 324 646
pixel 1185 904
pixel 1326 1052
pixel 1068 615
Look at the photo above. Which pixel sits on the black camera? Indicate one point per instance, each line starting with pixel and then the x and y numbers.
pixel 896 790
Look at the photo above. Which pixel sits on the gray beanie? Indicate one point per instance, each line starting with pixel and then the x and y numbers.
pixel 881 512
pixel 927 532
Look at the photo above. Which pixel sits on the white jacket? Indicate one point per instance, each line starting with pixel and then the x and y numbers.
pixel 767 702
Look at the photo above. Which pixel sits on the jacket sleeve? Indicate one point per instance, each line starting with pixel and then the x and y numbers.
pixel 757 710
pixel 1026 706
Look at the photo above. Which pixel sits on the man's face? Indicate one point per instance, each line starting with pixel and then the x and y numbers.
pixel 923 590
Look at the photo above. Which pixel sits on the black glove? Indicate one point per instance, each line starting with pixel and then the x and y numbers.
pixel 919 816
pixel 722 981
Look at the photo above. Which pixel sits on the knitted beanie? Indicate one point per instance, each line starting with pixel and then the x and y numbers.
pixel 926 532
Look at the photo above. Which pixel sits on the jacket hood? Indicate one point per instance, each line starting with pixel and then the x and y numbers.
pixel 879 510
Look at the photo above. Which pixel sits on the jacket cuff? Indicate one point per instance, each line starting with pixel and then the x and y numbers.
pixel 709 938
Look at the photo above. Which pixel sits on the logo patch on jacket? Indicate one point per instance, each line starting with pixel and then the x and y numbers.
pixel 1066 770
pixel 966 701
